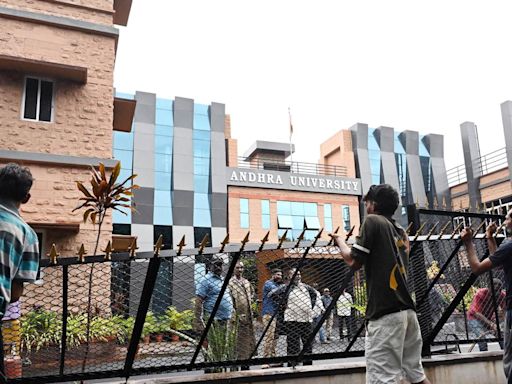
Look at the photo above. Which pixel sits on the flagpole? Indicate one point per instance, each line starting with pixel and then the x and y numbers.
pixel 291 132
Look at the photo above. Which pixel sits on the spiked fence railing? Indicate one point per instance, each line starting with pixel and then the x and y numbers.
pixel 143 304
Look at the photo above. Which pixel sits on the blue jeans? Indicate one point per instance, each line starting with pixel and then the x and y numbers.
pixel 480 331
pixel 321 332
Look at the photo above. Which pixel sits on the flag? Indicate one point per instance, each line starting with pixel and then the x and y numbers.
pixel 290 118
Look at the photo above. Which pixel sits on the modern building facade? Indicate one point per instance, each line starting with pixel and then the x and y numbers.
pixel 58 109
pixel 413 164
pixel 483 182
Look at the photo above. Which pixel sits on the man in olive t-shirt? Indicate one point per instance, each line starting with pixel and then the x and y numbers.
pixel 393 339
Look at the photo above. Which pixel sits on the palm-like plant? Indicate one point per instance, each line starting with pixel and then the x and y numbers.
pixel 105 194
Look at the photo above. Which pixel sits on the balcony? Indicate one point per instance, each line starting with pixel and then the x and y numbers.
pixel 293 166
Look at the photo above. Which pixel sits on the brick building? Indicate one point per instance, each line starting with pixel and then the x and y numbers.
pixel 57 109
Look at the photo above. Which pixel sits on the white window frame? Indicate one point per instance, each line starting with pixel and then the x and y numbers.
pixel 24 98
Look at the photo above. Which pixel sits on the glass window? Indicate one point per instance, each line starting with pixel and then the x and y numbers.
pixel 166 232
pixel 125 157
pixel 281 232
pixel 346 217
pixel 244 205
pixel 201 166
pixel 163 144
pixel 284 221
pixel 121 218
pixel 201 148
pixel 297 209
pixel 38 99
pixel 199 235
pixel 265 214
pixel 163 181
pixel 201 201
pixel 284 208
pixel 163 104
pixel 163 198
pixel 123 140
pixel 265 207
pixel 163 130
pixel 163 163
pixel 201 135
pixel 327 210
pixel 312 222
pixel 201 109
pixel 201 122
pixel 310 209
pixel 162 215
pixel 201 183
pixel 164 117
pixel 244 220
pixel 202 218
pixel 423 150
pixel 298 222
pixel 328 224
pixel 310 235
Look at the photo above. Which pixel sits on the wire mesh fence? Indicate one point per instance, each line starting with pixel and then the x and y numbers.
pixel 238 306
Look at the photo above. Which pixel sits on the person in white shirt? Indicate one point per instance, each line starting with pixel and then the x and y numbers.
pixel 344 311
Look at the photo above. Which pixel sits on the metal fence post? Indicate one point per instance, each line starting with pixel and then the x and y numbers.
pixel 63 339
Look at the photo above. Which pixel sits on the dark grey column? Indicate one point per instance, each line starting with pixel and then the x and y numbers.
pixel 471 149
pixel 435 147
pixel 388 161
pixel 362 159
pixel 416 187
pixel 219 197
pixel 506 116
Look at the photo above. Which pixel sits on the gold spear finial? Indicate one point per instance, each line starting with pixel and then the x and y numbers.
pixel 436 204
pixel 478 228
pixel 499 229
pixel 181 244
pixel 443 229
pixel 444 203
pixel 263 241
pixel 158 245
pixel 281 240
pixel 300 238
pixel 456 229
pixel 408 229
pixel 53 255
pixel 81 253
pixel 317 237
pixel 108 251
pixel 224 243
pixel 349 234
pixel 431 231
pixel 418 232
pixel 332 238
pixel 202 244
pixel 245 241
pixel 133 248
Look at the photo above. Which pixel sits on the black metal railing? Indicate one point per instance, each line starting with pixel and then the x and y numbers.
pixel 293 166
pixel 142 314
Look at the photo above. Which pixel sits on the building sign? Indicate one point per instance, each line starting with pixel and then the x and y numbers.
pixel 259 178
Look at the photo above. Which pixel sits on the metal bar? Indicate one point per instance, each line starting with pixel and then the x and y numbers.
pixel 63 339
pixel 495 304
pixel 282 302
pixel 145 299
pixel 216 306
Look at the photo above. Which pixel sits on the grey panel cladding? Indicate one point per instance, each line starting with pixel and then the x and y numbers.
pixel 183 112
pixel 183 290
pixel 183 207
pixel 143 198
pixel 471 149
pixel 217 117
pixel 435 146
pixel 137 270
pixel 386 139
pixel 219 208
pixel 388 162
pixel 359 136
pixel 410 141
pixel 183 159
pixel 145 108
pixel 218 163
pixel 506 116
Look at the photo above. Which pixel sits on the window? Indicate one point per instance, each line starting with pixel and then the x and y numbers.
pixel 346 217
pixel 244 213
pixel 297 216
pixel 38 99
pixel 265 214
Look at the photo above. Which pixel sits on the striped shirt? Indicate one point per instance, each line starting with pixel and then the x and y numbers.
pixel 19 252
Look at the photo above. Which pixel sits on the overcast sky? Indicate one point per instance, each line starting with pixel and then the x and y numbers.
pixel 424 66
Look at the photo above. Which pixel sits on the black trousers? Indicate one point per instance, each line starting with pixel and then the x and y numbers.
pixel 295 332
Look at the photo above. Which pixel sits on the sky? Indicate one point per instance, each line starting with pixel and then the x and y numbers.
pixel 410 65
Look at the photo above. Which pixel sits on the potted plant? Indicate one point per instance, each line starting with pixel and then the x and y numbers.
pixel 161 328
pixel 149 327
pixel 178 321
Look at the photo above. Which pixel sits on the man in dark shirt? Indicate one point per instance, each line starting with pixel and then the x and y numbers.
pixel 393 339
pixel 501 256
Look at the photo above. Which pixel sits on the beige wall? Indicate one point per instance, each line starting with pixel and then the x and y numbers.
pixel 337 150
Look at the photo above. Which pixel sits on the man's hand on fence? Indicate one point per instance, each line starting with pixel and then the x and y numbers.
pixel 466 235
pixel 490 230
